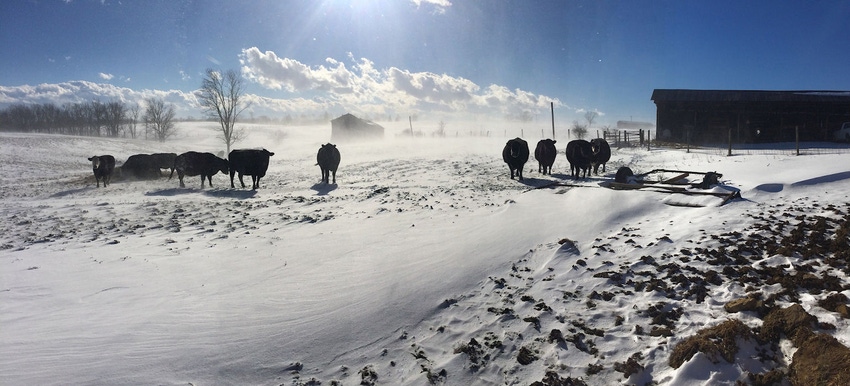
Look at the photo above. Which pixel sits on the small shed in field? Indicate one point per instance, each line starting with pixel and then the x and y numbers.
pixel 747 116
pixel 348 127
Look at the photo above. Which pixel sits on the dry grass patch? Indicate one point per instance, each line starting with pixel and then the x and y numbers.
pixel 821 360
pixel 716 342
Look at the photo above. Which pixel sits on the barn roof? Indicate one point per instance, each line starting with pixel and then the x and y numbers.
pixel 682 95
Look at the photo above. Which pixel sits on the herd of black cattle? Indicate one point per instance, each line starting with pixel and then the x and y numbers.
pixel 251 162
pixel 581 154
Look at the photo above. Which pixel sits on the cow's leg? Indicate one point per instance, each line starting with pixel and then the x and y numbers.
pixel 512 171
pixel 519 172
pixel 240 180
pixel 256 181
pixel 180 176
pixel 334 172
pixel 232 174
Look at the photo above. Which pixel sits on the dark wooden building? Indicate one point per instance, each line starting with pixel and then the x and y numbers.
pixel 708 116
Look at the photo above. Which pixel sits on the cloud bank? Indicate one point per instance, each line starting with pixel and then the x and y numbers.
pixel 294 88
pixel 364 88
pixel 84 91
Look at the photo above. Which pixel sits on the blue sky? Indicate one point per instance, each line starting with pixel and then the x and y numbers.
pixel 439 59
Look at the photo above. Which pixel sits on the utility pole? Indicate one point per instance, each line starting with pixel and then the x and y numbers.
pixel 552 109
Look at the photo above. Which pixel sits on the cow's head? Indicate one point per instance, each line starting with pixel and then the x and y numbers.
pixel 223 165
pixel 595 145
pixel 95 162
pixel 515 148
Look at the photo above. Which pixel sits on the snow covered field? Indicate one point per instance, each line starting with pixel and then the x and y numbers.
pixel 425 264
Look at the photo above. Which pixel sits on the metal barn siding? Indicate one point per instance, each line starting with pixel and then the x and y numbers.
pixel 708 116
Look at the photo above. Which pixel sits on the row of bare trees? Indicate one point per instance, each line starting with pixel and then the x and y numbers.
pixel 221 95
pixel 90 118
pixel 98 119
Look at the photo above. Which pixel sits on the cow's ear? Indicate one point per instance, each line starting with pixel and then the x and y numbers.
pixel 554 141
pixel 91 158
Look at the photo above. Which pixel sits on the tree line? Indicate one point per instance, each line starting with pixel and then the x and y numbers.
pixel 95 118
pixel 221 96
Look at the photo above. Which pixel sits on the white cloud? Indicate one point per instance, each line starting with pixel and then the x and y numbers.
pixel 83 91
pixel 356 86
pixel 439 5
pixel 105 76
pixel 392 90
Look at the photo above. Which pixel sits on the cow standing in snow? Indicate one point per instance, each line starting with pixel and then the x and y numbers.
pixel 140 167
pixel 192 163
pixel 515 154
pixel 580 155
pixel 164 160
pixel 102 166
pixel 601 154
pixel 328 160
pixel 545 154
pixel 252 162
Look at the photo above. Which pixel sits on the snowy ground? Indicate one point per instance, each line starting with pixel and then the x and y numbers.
pixel 424 264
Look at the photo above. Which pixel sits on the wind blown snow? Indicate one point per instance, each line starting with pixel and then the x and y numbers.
pixel 424 264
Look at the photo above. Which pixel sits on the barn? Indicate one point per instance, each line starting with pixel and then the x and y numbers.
pixel 348 127
pixel 748 116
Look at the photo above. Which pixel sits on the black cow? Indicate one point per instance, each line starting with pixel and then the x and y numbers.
pixel 102 166
pixel 328 160
pixel 601 154
pixel 141 167
pixel 192 163
pixel 252 162
pixel 164 160
pixel 545 154
pixel 515 155
pixel 579 154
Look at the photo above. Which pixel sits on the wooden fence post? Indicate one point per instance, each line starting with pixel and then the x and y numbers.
pixel 797 138
pixel 730 142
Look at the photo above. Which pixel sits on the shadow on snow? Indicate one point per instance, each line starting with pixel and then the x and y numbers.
pixel 322 189
pixel 226 193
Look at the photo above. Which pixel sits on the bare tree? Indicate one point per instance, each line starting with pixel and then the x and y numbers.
pixel 590 116
pixel 579 130
pixel 114 115
pixel 222 96
pixel 441 129
pixel 132 119
pixel 159 118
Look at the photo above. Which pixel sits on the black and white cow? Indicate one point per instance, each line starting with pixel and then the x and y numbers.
pixel 102 166
pixel 601 154
pixel 193 163
pixel 328 160
pixel 252 162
